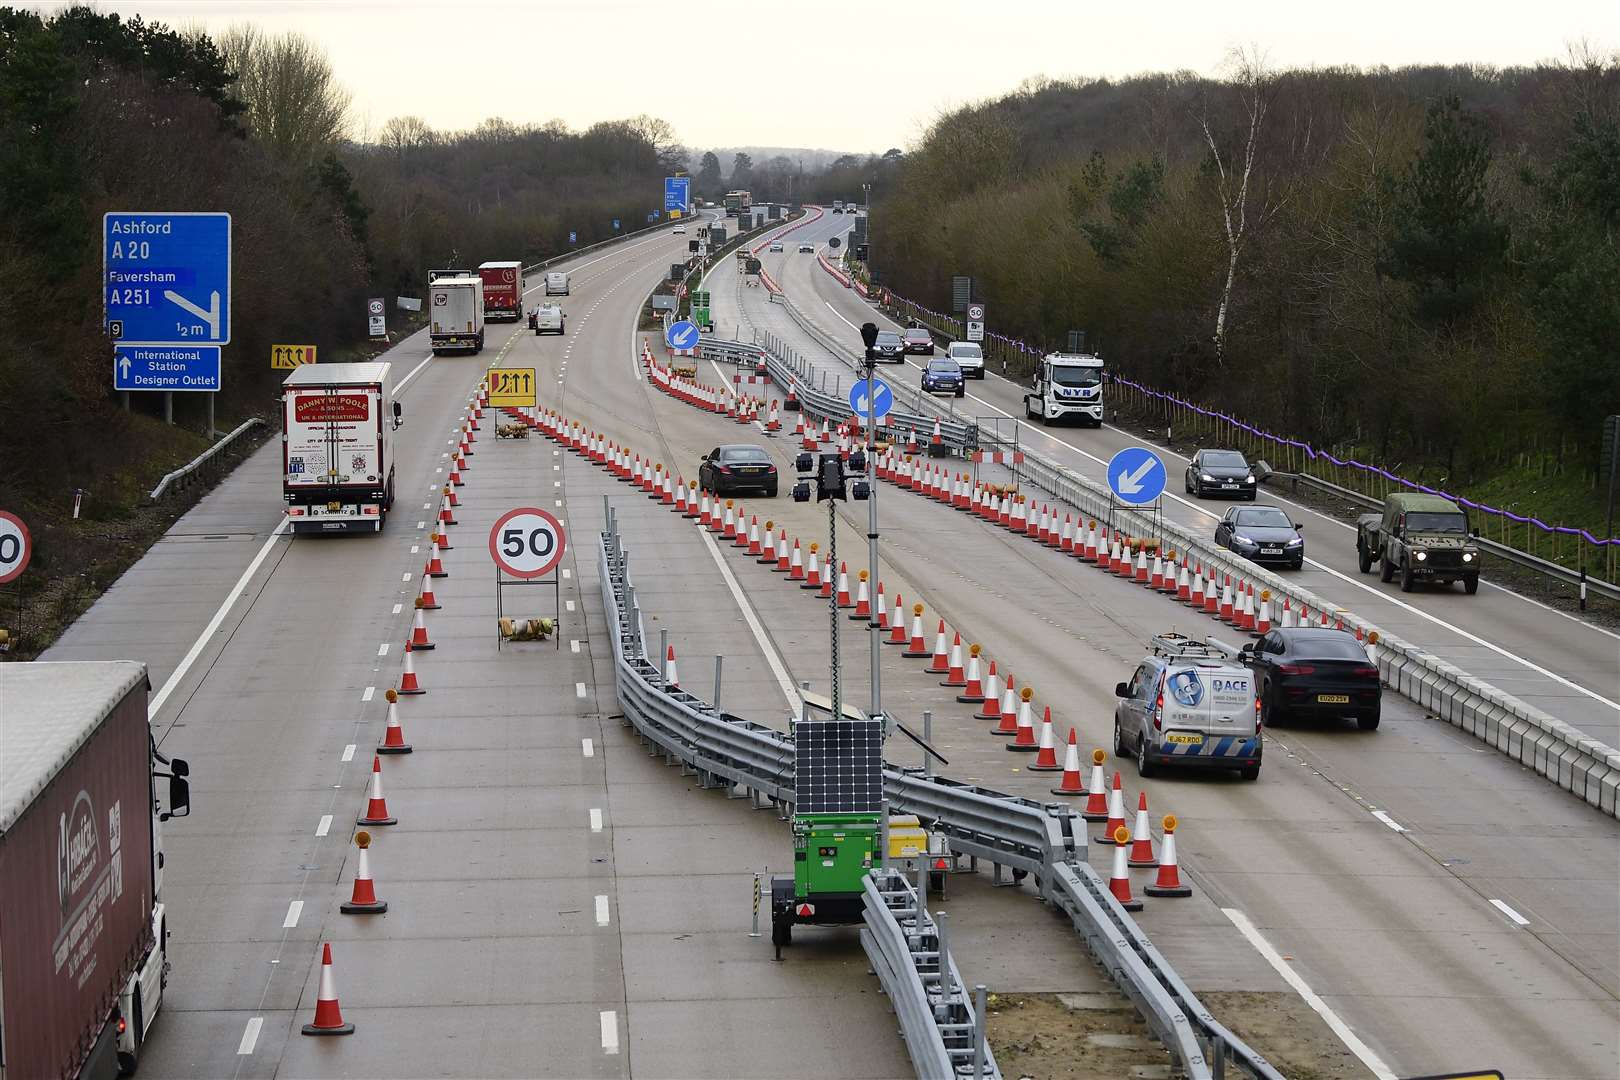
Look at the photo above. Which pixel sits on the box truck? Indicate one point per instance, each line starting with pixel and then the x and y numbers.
pixel 337 446
pixel 83 928
pixel 456 318
pixel 503 289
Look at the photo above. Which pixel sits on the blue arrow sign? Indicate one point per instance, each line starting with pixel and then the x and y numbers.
pixel 676 189
pixel 882 399
pixel 166 367
pixel 167 277
pixel 573 237
pixel 682 335
pixel 1136 475
pixel 615 223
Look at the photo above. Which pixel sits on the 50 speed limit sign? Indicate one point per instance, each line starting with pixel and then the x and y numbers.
pixel 527 542
pixel 16 546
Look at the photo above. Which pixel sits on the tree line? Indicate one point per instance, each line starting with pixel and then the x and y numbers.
pixel 1422 264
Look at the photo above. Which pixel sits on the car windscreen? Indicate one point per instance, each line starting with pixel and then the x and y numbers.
pixel 1326 645
pixel 1264 517
pixel 1436 522
pixel 888 337
pixel 743 454
pixel 944 367
pixel 917 335
pixel 967 352
pixel 1224 459
pixel 1073 376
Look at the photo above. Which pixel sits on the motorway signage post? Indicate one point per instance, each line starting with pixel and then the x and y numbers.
pixel 677 192
pixel 513 388
pixel 975 322
pixel 1136 476
pixel 881 399
pixel 287 357
pixel 526 545
pixel 376 319
pixel 682 335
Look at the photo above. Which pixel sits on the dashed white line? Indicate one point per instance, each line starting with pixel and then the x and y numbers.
pixel 405 576
pixel 573 645
pixel 610 1031
pixel 596 819
pixel 416 549
pixel 348 753
pixel 294 909
pixel 250 1036
pixel 1387 820
pixel 567 573
pixel 579 689
pixel 559 502
pixel 382 650
pixel 587 748
pixel 325 825
pixel 601 910
pixel 1510 913
pixel 370 691
pixel 568 605
pixel 398 608
pixel 421 524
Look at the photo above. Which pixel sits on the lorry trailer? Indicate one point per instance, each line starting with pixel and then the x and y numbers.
pixel 503 289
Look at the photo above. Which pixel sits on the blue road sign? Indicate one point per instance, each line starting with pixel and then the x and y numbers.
pixel 573 237
pixel 167 277
pixel 676 191
pixel 1136 475
pixel 615 223
pixel 882 399
pixel 166 367
pixel 682 335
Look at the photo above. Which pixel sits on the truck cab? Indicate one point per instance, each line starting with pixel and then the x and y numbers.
pixel 1066 385
pixel 1422 538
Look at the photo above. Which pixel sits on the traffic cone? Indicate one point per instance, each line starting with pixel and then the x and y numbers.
pixel 1212 600
pixel 1119 881
pixel 419 634
pixel 1262 622
pixel 705 518
pixel 863 600
pixel 767 554
pixel 1142 846
pixel 447 516
pixel 973 690
pixel 1046 758
pixel 376 806
pixel 881 610
pixel 812 576
pixel 394 735
pixel 363 901
pixel 1141 565
pixel 1071 783
pixel 1156 578
pixel 407 681
pixel 955 674
pixel 1116 810
pixel 426 600
pixel 826 590
pixel 796 564
pixel 990 709
pixel 435 568
pixel 1168 883
pixel 843 600
pixel 897 623
pixel 328 1016
pixel 918 648
pixel 728 526
pixel 672 677
pixel 755 547
pixel 455 476
pixel 1009 709
pixel 741 539
pixel 1096 791
pixel 783 561
pixel 1024 738
pixel 692 499
pixel 1197 597
pixel 680 499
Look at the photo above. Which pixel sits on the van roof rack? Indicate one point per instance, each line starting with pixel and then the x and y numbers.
pixel 1174 644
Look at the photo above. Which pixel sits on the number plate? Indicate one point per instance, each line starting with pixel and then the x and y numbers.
pixel 1333 699
pixel 1182 739
pixel 1271 551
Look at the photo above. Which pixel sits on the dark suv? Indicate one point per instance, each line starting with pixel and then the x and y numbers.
pixel 890 347
pixel 943 376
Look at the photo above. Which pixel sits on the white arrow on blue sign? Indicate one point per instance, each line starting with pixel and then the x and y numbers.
pixel 881 399
pixel 682 335
pixel 1136 475
pixel 167 276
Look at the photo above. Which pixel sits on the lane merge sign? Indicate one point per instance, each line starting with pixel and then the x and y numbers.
pixel 527 542
pixel 1136 475
pixel 166 367
pixel 287 357
pixel 880 400
pixel 513 388
pixel 166 277
pixel 16 547
pixel 682 335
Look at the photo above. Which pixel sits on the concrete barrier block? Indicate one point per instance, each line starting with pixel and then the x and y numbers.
pixel 1542 743
pixel 1607 788
pixel 1511 736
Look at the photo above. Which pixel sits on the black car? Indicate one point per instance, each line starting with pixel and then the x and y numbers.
pixel 943 376
pixel 1314 670
pixel 1216 472
pixel 726 469
pixel 889 346
pixel 918 340
pixel 1262 534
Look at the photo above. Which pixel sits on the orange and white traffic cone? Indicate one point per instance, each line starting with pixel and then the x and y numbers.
pixel 972 687
pixel 1142 846
pixel 1024 738
pixel 796 563
pixel 755 547
pixel 328 1016
pixel 881 610
pixel 1009 709
pixel 393 735
pixel 955 673
pixel 672 678
pixel 1119 880
pixel 990 709
pixel 1168 883
pixel 419 634
pixel 940 659
pixel 897 623
pixel 843 600
pixel 434 568
pixel 728 526
pixel 1046 757
pixel 376 806
pixel 1096 791
pixel 1116 810
pixel 426 600
pixel 826 590
pixel 363 900
pixel 1071 783
pixel 863 599
pixel 407 681
pixel 812 575
pixel 767 554
pixel 918 648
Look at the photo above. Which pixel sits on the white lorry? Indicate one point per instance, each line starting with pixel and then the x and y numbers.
pixel 84 931
pixel 1065 385
pixel 337 439
pixel 456 318
pixel 557 283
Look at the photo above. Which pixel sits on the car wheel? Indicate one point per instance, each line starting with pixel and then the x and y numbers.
pixel 1119 738
pixel 1271 714
pixel 1198 489
pixel 770 492
pixel 1407 577
pixel 1363 558
pixel 1029 413
pixel 1186 482
pixel 961 393
pixel 1471 584
pixel 1298 564
pixel 1144 767
pixel 1250 772
pixel 1367 722
pixel 1386 570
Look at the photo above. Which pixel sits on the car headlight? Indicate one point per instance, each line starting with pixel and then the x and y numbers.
pixel 1249 479
pixel 1296 542
pixel 1468 556
pixel 1244 540
pixel 1206 476
pixel 1422 556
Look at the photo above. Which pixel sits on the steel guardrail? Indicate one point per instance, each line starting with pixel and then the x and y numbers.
pixel 610 241
pixel 191 467
pixel 1047 842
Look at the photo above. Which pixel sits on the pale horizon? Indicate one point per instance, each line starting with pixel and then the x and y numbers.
pixel 802 80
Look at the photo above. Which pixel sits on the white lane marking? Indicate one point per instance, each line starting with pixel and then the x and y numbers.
pixel 765 645
pixel 1387 820
pixel 596 819
pixel 559 502
pixel 405 576
pixel 207 635
pixel 382 650
pixel 1345 578
pixel 573 645
pixel 421 524
pixel 568 605
pixel 416 549
pixel 399 388
pixel 587 748
pixel 369 693
pixel 325 825
pixel 398 608
pixel 579 689
pixel 567 573
pixel 348 753
pixel 250 1036
pixel 1510 913
pixel 294 909
pixel 601 910
pixel 610 1031
pixel 1310 997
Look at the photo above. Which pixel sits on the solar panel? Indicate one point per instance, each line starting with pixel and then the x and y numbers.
pixel 839 766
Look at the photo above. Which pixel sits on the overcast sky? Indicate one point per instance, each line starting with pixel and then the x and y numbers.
pixel 842 74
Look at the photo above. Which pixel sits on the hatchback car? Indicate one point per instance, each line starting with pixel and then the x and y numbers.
pixel 969 356
pixel 1213 472
pixel 807 249
pixel 918 340
pixel 727 469
pixel 943 376
pixel 776 245
pixel 1188 704
pixel 1262 534
pixel 1308 669
pixel 890 347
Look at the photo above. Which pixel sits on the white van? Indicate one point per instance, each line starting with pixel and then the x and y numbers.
pixel 1189 703
pixel 557 283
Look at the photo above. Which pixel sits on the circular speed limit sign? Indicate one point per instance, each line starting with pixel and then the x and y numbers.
pixel 16 547
pixel 375 307
pixel 527 542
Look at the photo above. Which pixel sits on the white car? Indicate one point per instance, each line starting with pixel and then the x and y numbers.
pixel 776 245
pixel 679 230
pixel 969 356
pixel 807 249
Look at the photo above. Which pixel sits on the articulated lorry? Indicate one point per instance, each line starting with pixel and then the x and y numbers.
pixel 337 446
pixel 503 289
pixel 83 928
pixel 455 311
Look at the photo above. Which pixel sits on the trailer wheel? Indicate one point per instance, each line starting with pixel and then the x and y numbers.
pixel 781 928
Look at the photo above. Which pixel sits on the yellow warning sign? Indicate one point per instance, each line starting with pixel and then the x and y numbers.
pixel 512 387
pixel 287 357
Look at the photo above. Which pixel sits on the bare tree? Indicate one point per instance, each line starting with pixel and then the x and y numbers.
pixel 294 105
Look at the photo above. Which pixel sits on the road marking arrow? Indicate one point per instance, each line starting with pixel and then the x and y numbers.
pixel 1131 482
pixel 210 316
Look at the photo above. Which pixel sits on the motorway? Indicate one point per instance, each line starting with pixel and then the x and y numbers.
pixel 1381 904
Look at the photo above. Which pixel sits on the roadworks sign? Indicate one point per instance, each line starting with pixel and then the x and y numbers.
pixel 287 357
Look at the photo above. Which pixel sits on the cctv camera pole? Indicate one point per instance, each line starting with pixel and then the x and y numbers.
pixel 872 634
pixel 832 604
